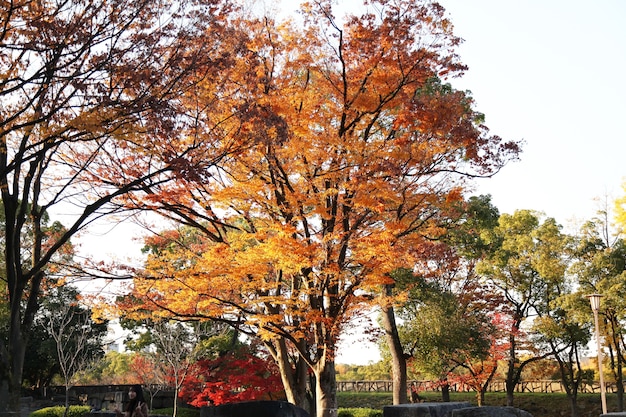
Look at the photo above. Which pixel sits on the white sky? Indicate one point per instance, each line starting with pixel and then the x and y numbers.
pixel 550 72
pixel 553 73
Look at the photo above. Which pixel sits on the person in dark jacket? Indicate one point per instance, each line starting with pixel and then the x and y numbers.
pixel 137 406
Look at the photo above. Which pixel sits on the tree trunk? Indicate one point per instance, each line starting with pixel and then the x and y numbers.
pixel 326 388
pixel 619 378
pixel 398 360
pixel 574 405
pixel 294 380
pixel 445 392
pixel 480 397
pixel 16 353
pixel 4 388
pixel 510 374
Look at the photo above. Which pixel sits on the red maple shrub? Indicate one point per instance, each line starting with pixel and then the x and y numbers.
pixel 232 377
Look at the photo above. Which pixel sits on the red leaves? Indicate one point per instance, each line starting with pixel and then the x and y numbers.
pixel 233 377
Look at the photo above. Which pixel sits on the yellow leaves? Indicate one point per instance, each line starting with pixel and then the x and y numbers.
pixel 620 208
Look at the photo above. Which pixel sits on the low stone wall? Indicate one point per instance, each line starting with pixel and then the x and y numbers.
pixel 423 409
pixel 254 408
pixel 451 409
pixel 490 411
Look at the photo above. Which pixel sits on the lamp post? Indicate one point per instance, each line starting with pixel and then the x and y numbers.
pixel 595 306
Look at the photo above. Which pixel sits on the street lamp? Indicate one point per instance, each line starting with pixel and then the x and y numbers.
pixel 595 306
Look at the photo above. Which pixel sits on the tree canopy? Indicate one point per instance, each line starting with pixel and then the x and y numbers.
pixel 357 150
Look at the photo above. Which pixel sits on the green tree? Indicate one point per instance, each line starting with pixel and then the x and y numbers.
pixel 599 264
pixel 527 258
pixel 565 336
pixel 447 264
pixel 114 368
pixel 442 334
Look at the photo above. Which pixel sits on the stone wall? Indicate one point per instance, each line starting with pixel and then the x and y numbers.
pixel 451 409
pixel 254 408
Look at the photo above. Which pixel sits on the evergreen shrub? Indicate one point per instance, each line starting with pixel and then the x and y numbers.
pixel 359 412
pixel 58 411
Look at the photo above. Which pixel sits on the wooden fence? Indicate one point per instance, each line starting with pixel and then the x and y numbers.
pixel 544 386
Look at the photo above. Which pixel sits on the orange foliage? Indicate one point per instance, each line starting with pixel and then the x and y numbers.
pixel 349 154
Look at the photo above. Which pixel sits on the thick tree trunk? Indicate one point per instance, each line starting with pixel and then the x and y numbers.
pixel 398 360
pixel 12 375
pixel 326 388
pixel 4 388
pixel 294 378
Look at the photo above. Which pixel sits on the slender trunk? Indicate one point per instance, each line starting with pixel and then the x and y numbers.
pixel 67 399
pixel 510 374
pixel 445 392
pixel 573 400
pixel 175 410
pixel 398 360
pixel 480 398
pixel 619 377
pixel 326 388
pixel 619 382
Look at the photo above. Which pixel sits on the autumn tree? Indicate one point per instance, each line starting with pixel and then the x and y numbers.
pixel 240 374
pixel 358 147
pixel 478 368
pixel 89 92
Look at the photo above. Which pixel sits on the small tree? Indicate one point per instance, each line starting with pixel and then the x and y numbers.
pixel 147 368
pixel 171 347
pixel 480 370
pixel 76 336
pixel 565 333
pixel 526 263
